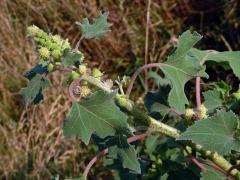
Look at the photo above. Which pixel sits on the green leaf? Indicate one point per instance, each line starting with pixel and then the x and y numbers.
pixel 127 156
pixel 164 177
pixel 95 114
pixel 78 178
pixel 215 133
pixel 43 62
pixel 179 69
pixel 211 174
pixel 71 58
pixel 160 81
pixel 97 29
pixel 232 57
pixel 213 99
pixel 160 108
pixel 221 87
pixel 157 101
pixel 34 89
pixel 38 69
pixel 151 143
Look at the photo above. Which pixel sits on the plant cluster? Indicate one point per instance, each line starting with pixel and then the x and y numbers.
pixel 181 140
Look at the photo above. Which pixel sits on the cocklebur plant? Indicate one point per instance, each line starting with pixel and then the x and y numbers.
pixel 200 142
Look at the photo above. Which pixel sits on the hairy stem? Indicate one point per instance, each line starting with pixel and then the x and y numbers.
pixel 174 133
pixel 214 166
pixel 105 151
pixel 156 125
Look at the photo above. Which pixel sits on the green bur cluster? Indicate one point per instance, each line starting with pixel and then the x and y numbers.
pixel 48 46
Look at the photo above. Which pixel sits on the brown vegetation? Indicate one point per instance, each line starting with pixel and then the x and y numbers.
pixel 31 141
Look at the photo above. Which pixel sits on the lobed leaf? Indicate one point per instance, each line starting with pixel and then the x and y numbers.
pixel 232 57
pixel 71 58
pixel 127 156
pixel 95 114
pixel 34 89
pixel 216 133
pixel 38 69
pixel 213 99
pixel 156 102
pixel 97 29
pixel 179 69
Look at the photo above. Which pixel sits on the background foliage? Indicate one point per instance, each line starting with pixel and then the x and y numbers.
pixel 31 141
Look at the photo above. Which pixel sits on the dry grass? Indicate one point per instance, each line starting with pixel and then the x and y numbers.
pixel 31 142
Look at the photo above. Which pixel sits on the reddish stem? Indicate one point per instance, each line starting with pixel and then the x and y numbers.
pixel 198 92
pixel 105 151
pixel 135 75
pixel 200 165
pixel 214 166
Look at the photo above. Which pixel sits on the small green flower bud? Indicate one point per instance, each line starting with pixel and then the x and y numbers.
pixel 37 39
pixel 50 67
pixel 189 113
pixel 75 75
pixel 54 46
pixel 33 30
pixel 57 39
pixel 44 52
pixel 42 42
pixel 48 44
pixel 66 45
pixel 121 99
pixel 96 73
pixel 56 53
pixel 236 95
pixel 42 34
pixel 82 69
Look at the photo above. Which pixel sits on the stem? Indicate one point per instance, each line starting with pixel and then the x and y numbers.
pixel 157 125
pixel 200 165
pixel 92 162
pixel 105 151
pixel 146 44
pixel 215 167
pixel 198 92
pixel 78 44
pixel 97 82
pixel 174 133
pixel 135 75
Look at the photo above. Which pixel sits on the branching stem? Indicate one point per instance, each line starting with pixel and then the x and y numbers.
pixel 105 151
pixel 157 125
